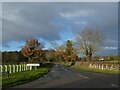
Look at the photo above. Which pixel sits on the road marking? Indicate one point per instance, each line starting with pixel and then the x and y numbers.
pixel 114 85
pixel 81 76
pixel 56 65
pixel 42 77
pixel 53 71
pixel 64 69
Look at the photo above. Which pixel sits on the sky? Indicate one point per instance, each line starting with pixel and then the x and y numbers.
pixel 53 21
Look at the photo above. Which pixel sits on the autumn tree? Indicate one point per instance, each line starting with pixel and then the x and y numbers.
pixel 32 49
pixel 50 55
pixel 70 52
pixel 60 52
pixel 88 41
pixel 69 47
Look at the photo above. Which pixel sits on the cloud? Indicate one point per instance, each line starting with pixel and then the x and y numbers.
pixel 111 48
pixel 76 14
pixel 25 20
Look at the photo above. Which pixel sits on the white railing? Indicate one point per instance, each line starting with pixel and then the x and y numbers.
pixel 105 66
pixel 100 65
pixel 15 68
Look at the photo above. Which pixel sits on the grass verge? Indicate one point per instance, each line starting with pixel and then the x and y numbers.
pixel 113 61
pixel 24 77
pixel 96 70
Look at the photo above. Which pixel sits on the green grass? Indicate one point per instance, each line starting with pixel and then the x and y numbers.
pixel 96 70
pixel 113 61
pixel 23 77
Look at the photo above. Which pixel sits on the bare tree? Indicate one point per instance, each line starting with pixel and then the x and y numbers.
pixel 54 45
pixel 88 41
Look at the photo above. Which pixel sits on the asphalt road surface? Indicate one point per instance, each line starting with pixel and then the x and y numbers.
pixel 61 76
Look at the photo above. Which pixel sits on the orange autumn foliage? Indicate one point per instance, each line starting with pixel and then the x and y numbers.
pixel 32 49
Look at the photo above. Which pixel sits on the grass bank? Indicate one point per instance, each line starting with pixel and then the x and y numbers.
pixel 113 61
pixel 24 77
pixel 96 70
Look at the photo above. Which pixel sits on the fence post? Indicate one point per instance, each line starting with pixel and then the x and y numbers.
pixel 117 67
pixel 20 68
pixel 111 67
pixel 106 66
pixel 102 66
pixel 95 66
pixel 24 67
pixel 13 68
pixel 6 68
pixel 30 67
pixel 1 67
pixel 90 66
pixel 17 68
pixel 99 66
pixel 10 69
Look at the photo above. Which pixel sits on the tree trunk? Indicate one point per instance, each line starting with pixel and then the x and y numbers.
pixel 89 57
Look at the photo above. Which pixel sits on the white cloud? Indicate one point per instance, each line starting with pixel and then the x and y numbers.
pixel 76 14
pixel 110 48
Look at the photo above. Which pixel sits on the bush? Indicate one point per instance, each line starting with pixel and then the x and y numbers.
pixel 110 58
pixel 73 63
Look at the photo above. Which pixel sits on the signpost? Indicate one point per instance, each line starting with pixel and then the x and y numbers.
pixel 33 65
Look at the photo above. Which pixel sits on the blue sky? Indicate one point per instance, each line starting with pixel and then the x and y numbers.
pixel 51 22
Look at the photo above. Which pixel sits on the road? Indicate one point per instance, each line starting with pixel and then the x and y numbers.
pixel 61 76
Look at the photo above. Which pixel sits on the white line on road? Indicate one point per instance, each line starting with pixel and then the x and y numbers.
pixel 114 85
pixel 53 71
pixel 56 65
pixel 81 76
pixel 64 69
pixel 42 77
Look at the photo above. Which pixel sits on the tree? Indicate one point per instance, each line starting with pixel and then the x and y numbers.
pixel 50 55
pixel 70 51
pixel 32 49
pixel 69 47
pixel 88 41
pixel 60 52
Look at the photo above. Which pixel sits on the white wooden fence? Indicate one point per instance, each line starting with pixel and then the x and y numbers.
pixel 105 66
pixel 99 65
pixel 14 68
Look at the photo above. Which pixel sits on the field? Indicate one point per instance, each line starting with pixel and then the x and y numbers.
pixel 24 76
